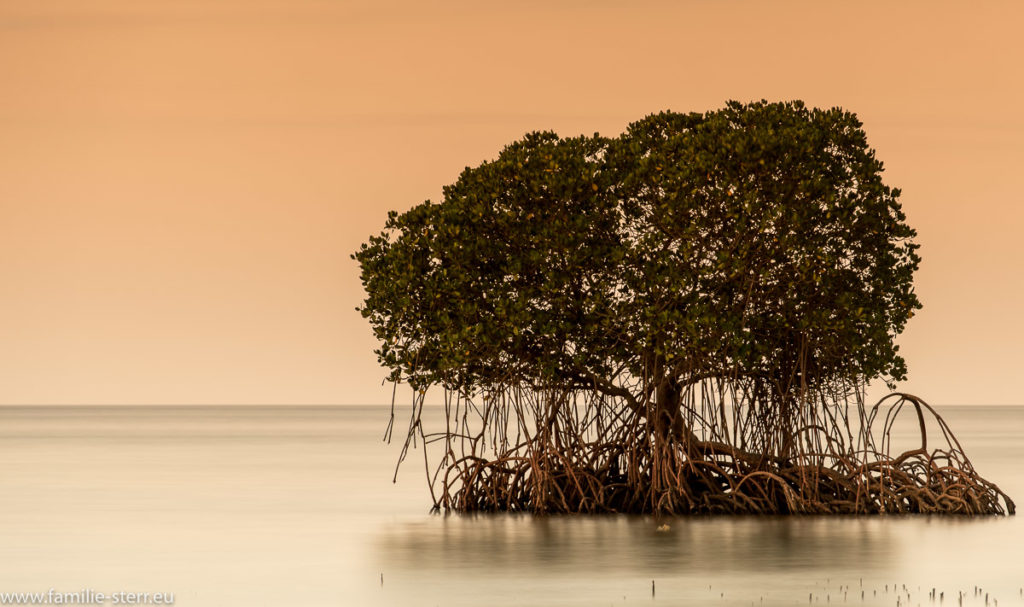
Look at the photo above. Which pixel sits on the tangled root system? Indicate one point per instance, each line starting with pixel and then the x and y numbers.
pixel 549 452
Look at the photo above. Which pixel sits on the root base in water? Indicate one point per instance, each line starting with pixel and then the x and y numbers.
pixel 543 455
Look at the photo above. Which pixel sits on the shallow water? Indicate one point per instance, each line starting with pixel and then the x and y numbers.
pixel 229 506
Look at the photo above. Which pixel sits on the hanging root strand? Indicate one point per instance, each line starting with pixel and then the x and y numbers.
pixel 572 453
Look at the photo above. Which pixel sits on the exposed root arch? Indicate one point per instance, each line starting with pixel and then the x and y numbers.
pixel 584 452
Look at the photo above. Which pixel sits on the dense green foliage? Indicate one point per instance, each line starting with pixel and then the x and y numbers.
pixel 756 241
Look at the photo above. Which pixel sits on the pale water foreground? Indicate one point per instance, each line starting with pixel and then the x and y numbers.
pixel 248 506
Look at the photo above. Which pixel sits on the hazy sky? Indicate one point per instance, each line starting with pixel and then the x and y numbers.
pixel 182 182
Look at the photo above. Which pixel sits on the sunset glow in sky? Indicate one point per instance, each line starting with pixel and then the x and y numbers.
pixel 182 182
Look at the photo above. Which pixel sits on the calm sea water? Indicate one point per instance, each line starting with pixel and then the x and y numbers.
pixel 294 506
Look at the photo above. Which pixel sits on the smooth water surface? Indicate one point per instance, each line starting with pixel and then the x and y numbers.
pixel 246 506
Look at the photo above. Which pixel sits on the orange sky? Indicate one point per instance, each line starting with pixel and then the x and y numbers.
pixel 182 181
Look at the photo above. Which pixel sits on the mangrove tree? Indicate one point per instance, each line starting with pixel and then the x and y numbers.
pixel 682 319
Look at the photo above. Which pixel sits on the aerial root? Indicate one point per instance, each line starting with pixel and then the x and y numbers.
pixel 896 486
pixel 628 469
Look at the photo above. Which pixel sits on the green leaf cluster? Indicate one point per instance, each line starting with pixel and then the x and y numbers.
pixel 757 240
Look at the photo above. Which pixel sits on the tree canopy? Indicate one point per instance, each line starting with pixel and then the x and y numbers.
pixel 754 241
